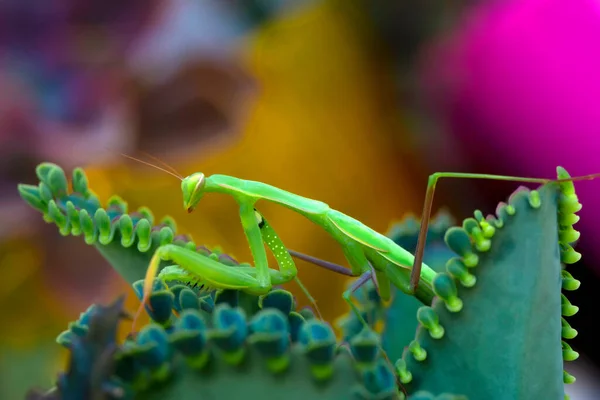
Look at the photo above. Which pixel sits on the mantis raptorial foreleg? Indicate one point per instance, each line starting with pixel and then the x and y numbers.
pixel 256 280
pixel 257 247
pixel 212 273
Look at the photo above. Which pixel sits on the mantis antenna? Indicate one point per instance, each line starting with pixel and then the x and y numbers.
pixel 164 164
pixel 175 174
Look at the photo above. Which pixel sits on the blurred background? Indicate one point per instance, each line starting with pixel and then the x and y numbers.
pixel 352 102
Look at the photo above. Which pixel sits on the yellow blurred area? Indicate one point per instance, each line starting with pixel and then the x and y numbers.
pixel 323 127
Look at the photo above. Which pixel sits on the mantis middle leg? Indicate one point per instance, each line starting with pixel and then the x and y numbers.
pixel 356 256
pixel 257 247
pixel 286 264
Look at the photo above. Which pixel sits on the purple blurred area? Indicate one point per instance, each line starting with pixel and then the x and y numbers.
pixel 518 85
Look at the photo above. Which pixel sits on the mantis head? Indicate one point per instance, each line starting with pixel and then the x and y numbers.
pixel 192 188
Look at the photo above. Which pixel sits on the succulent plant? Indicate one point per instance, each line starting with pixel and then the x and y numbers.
pixel 493 331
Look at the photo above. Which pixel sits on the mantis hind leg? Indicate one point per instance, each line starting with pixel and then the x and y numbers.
pixel 380 280
pixel 428 204
pixel 347 295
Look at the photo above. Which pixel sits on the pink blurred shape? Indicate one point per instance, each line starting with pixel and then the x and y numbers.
pixel 519 85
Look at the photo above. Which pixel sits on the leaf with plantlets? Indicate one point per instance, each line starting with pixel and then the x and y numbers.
pixel 400 322
pixel 232 355
pixel 508 324
pixel 92 363
pixel 126 240
pixel 493 330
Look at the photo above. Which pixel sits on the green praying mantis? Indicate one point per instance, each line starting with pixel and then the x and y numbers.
pixel 371 255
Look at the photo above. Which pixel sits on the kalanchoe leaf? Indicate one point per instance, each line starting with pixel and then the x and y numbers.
pixel 43 170
pixel 65 339
pixel 57 181
pixel 229 332
pixel 568 353
pixel 445 289
pixel 568 282
pixel 126 239
pixel 207 303
pixel 56 215
pixel 162 301
pixel 429 319
pixel 87 227
pixel 130 369
pixel 418 352
pixel 271 336
pixel 45 193
pixel 188 299
pixel 169 222
pixel 78 328
pixel 402 371
pixel 399 318
pixel 117 205
pixel 80 182
pixel 126 228
pixel 154 350
pixel 379 380
pixel 73 218
pixel 487 229
pixel 481 242
pixel 165 235
pixel 307 313
pixel 176 290
pixel 460 272
pixel 92 357
pixel 514 305
pixel 424 395
pixel 475 294
pixel 279 299
pixel 318 342
pixel 459 241
pixel 161 306
pixel 190 338
pixel 228 297
pixel 143 229
pixel 31 194
pixel 105 228
pixel 350 325
pixel 568 309
pixel 296 320
pixel 365 347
